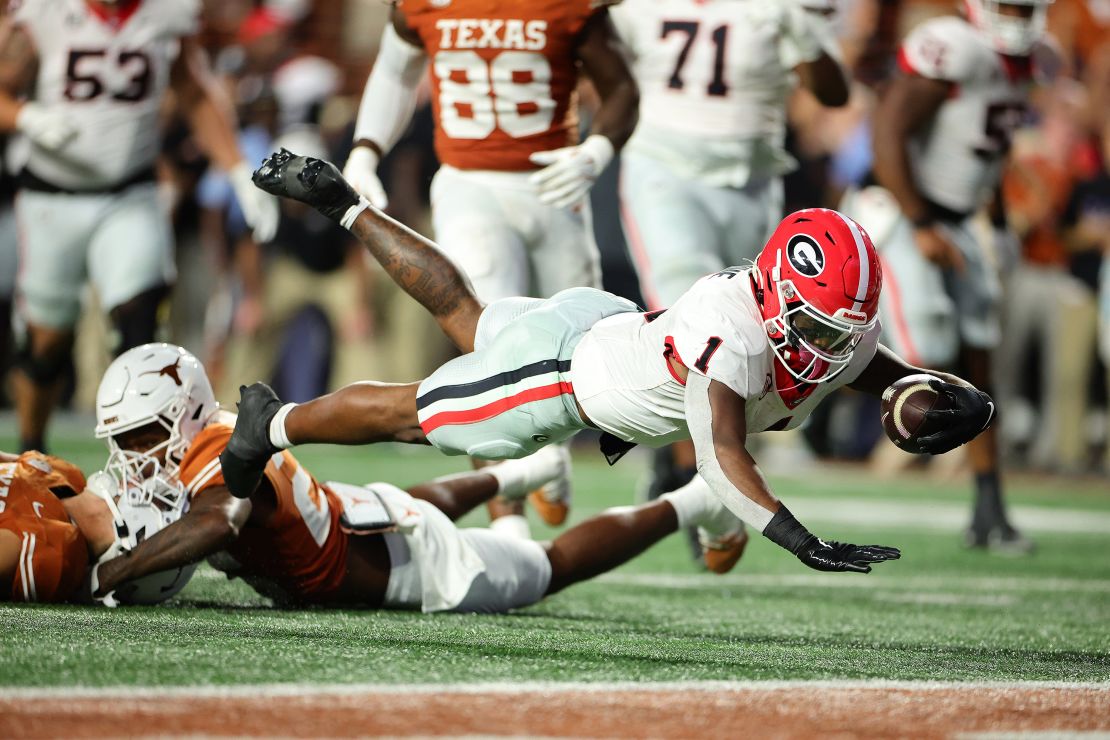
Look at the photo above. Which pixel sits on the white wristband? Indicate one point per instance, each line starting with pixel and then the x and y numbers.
pixel 349 217
pixel 278 436
pixel 600 150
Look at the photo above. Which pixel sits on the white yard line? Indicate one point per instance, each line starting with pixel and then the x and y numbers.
pixel 979 584
pixel 526 687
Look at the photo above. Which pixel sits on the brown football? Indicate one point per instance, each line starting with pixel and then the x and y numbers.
pixel 904 405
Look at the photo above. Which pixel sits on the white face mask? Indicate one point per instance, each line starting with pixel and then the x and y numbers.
pixel 1007 33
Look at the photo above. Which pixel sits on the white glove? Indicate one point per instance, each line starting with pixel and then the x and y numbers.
pixel 260 209
pixel 570 171
pixel 108 599
pixel 50 129
pixel 361 171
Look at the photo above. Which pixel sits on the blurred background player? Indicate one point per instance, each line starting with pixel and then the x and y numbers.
pixel 50 528
pixel 88 205
pixel 942 132
pixel 299 541
pixel 701 184
pixel 503 77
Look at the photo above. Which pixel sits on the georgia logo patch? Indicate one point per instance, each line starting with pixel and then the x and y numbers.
pixel 805 255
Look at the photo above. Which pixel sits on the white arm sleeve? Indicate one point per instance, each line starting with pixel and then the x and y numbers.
pixel 390 95
pixel 699 419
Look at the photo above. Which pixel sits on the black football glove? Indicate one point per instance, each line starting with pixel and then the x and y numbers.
pixel 787 532
pixel 309 180
pixel 244 459
pixel 969 412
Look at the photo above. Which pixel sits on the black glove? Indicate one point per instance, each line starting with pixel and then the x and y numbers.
pixel 969 412
pixel 787 532
pixel 244 459
pixel 309 180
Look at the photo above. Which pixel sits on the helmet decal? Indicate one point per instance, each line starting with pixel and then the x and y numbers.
pixel 805 255
pixel 171 371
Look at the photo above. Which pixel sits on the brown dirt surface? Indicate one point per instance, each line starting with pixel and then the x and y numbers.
pixel 798 710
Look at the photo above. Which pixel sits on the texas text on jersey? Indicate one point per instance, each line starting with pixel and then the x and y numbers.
pixel 298 553
pixel 502 75
pixel 52 551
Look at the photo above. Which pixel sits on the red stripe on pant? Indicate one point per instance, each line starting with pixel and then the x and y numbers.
pixel 490 410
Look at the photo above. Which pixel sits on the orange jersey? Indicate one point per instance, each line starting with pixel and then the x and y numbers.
pixel 53 554
pixel 503 77
pixel 300 548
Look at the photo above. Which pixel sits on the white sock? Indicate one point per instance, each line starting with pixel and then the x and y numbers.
pixel 517 478
pixel 512 525
pixel 278 437
pixel 693 503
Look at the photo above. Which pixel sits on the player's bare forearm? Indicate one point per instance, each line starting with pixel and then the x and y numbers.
pixel 209 526
pixel 423 271
pixel 204 104
pixel 908 104
pixel 730 448
pixel 826 79
pixel 607 67
pixel 18 59
pixel 886 367
pixel 360 413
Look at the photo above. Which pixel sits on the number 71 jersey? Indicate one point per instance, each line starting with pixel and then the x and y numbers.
pixel 109 73
pixel 503 74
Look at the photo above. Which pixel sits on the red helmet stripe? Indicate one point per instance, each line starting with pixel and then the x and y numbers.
pixel 864 263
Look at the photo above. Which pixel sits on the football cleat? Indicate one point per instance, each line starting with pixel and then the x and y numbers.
pixel 249 449
pixel 723 538
pixel 1001 539
pixel 552 501
pixel 309 180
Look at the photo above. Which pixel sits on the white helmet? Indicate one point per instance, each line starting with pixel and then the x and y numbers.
pixel 1009 34
pixel 133 524
pixel 153 384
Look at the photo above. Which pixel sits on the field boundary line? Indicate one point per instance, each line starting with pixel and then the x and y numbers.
pixel 277 690
pixel 903 583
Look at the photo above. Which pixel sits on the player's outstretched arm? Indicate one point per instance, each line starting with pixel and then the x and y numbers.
pixel 415 263
pixel 968 413
pixel 716 418
pixel 212 523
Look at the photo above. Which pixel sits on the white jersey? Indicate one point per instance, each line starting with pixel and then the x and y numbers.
pixel 110 78
pixel 957 159
pixel 714 77
pixel 626 387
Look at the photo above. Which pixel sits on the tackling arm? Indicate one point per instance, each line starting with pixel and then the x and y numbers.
pixel 716 418
pixel 211 524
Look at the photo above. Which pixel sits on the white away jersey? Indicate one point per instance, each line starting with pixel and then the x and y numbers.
pixel 625 385
pixel 110 77
pixel 714 76
pixel 957 159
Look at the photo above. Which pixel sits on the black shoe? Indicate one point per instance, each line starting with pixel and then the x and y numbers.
pixel 309 180
pixel 244 459
pixel 1000 539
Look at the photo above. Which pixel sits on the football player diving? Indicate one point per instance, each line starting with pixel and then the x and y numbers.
pixel 745 350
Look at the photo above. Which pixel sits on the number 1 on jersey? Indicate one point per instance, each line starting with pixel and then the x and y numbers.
pixel 702 363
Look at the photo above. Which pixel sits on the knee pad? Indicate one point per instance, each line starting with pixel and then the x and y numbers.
pixel 45 369
pixel 136 322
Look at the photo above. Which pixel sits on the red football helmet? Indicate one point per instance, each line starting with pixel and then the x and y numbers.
pixel 817 281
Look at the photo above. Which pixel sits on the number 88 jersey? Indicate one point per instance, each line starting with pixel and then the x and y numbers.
pixel 108 72
pixel 502 75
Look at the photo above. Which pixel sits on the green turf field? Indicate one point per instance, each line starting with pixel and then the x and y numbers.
pixel 939 613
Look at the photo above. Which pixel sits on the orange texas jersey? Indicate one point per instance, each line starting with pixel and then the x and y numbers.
pixel 53 554
pixel 503 76
pixel 300 549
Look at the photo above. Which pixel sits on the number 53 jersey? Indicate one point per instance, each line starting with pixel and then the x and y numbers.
pixel 502 75
pixel 109 74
